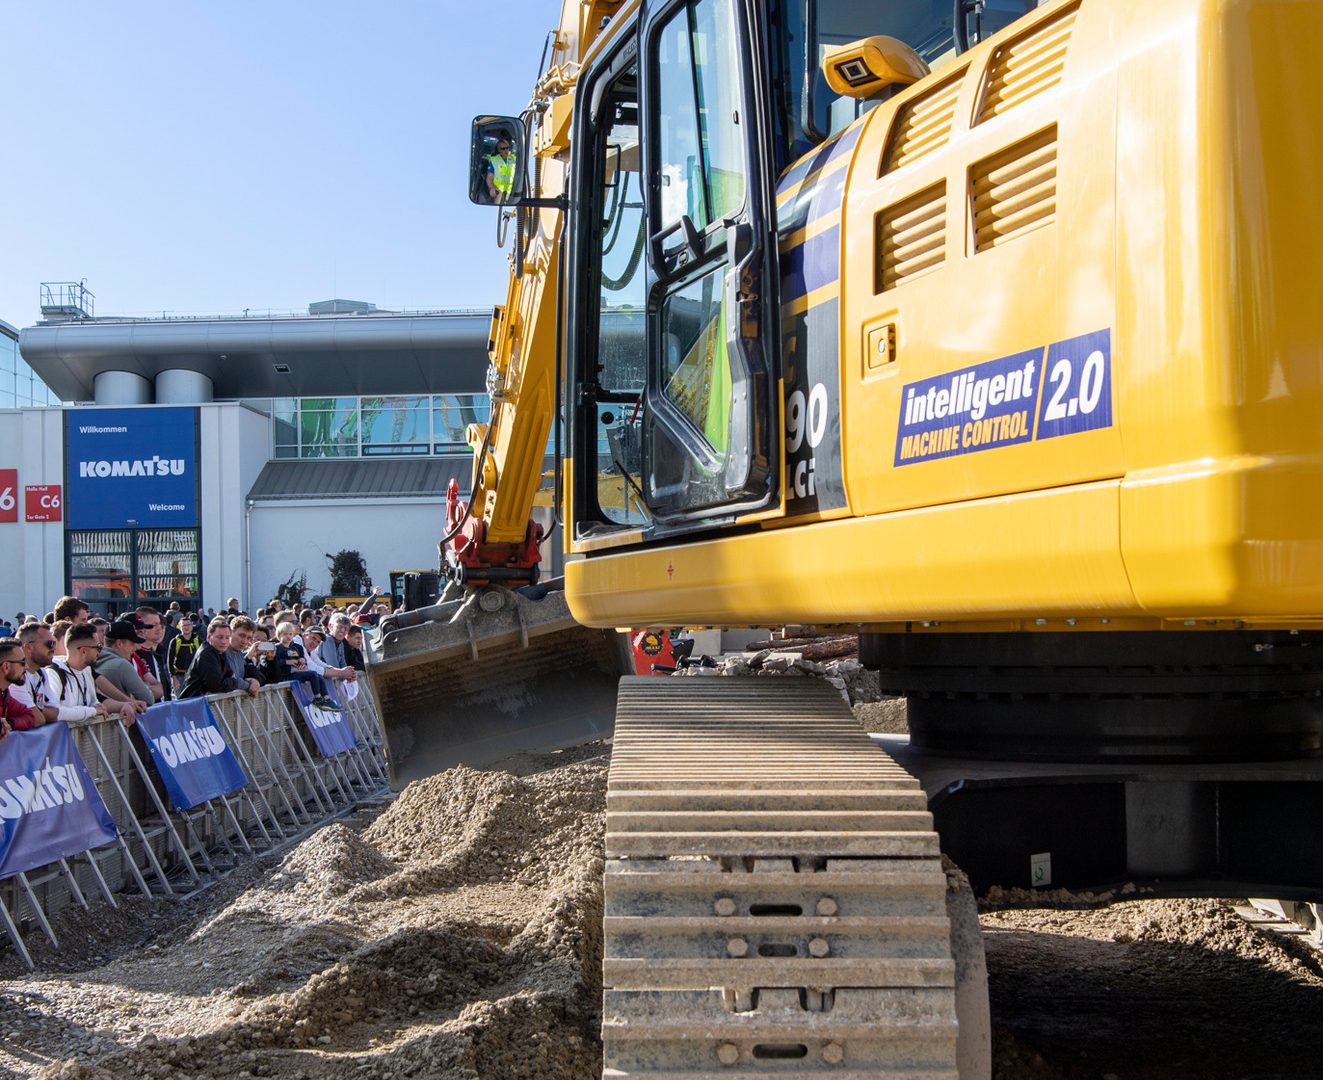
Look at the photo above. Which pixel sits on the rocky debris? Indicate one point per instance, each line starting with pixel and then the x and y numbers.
pixel 889 716
pixel 823 647
pixel 457 936
pixel 333 861
pixel 1148 990
pixel 854 682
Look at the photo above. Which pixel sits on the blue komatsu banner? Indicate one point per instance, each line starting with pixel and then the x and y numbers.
pixel 131 468
pixel 49 808
pixel 190 753
pixel 330 729
pixel 1060 389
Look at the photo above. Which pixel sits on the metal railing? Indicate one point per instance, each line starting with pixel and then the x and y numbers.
pixel 67 299
pixel 291 791
pixel 271 314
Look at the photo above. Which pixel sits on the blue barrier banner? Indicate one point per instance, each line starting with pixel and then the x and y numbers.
pixel 49 807
pixel 190 752
pixel 330 730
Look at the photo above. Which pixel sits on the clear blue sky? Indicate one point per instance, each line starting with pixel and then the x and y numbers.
pixel 209 157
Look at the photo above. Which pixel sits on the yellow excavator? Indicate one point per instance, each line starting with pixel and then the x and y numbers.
pixel 987 329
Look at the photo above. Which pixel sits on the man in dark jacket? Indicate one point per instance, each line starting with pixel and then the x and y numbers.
pixel 354 649
pixel 209 673
pixel 152 627
pixel 243 656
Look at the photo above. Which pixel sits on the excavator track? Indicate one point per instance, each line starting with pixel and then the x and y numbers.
pixel 775 896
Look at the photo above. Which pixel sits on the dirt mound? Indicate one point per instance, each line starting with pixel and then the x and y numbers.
pixel 458 935
pixel 333 861
pixel 1148 990
pixel 469 826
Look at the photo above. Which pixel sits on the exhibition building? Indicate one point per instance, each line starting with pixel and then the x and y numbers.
pixel 193 459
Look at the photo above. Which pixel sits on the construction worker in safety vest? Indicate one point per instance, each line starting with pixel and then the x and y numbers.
pixel 501 170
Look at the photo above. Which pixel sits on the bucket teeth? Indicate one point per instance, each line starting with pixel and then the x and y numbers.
pixel 775 901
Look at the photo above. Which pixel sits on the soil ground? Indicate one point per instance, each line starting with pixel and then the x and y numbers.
pixel 455 935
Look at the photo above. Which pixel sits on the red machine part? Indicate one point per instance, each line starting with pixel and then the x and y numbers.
pixel 470 560
pixel 651 647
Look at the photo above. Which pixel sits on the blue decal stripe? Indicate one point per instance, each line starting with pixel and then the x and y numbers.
pixel 819 159
pixel 812 201
pixel 811 265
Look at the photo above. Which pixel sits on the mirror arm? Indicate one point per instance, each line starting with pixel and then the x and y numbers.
pixel 560 202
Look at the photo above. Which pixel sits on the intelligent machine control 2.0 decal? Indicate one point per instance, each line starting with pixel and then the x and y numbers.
pixel 1063 389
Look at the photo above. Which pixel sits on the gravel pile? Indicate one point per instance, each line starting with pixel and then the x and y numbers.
pixel 457 936
pixel 1150 990
pixel 855 682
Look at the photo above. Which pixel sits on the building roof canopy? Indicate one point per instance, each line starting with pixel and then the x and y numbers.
pixel 277 357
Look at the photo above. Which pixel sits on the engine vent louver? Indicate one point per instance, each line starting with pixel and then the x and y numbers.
pixel 911 238
pixel 1015 191
pixel 922 125
pixel 1027 66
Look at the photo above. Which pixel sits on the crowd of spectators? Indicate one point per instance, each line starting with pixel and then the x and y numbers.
pixel 73 665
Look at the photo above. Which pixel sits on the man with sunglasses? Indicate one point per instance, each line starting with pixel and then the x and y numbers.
pixel 38 652
pixel 501 169
pixel 14 715
pixel 69 680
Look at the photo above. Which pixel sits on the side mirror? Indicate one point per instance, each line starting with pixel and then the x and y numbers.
pixel 496 160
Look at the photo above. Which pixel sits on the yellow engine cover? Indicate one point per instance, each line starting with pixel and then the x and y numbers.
pixel 1064 303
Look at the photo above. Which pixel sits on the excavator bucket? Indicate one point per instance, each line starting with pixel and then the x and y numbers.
pixel 491 674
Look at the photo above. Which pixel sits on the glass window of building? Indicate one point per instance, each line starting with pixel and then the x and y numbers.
pixel 115 570
pixel 20 388
pixel 400 426
pixel 285 425
pixel 395 425
pixel 451 416
pixel 8 362
pixel 328 427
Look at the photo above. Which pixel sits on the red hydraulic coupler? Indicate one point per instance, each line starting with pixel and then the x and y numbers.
pixel 469 560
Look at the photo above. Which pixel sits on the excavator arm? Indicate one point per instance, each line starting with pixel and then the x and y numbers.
pixel 447 676
pixel 493 539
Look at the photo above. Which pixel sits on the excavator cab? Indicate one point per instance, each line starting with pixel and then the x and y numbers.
pixel 676 415
pixel 688 338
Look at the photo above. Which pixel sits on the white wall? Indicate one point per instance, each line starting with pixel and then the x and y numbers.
pixel 246 552
pixel 32 578
pixel 299 534
pixel 236 443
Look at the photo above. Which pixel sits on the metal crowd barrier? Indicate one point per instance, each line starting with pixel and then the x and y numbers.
pixel 291 791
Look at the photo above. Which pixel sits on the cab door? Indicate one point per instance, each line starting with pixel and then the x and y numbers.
pixel 711 421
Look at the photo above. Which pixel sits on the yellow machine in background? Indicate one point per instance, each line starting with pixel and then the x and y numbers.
pixel 990 330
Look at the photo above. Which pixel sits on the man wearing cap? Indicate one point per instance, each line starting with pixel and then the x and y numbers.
pixel 313 639
pixel 115 665
pixel 313 636
pixel 499 173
